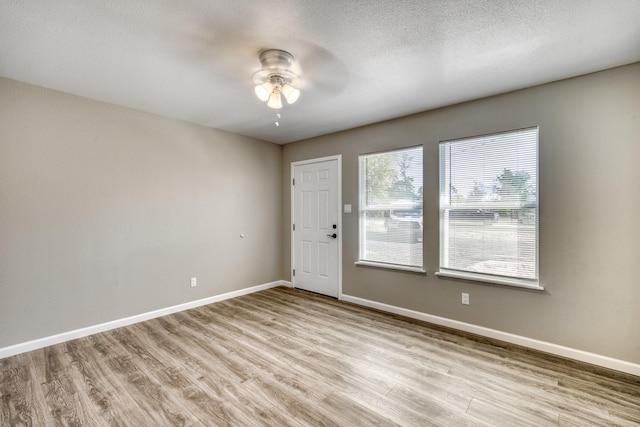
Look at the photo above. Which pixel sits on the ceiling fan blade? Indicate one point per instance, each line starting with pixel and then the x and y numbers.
pixel 235 59
pixel 322 70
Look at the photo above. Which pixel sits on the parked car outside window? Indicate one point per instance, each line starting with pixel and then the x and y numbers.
pixel 405 220
pixel 472 214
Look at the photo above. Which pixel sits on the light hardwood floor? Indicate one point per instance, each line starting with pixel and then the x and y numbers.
pixel 287 357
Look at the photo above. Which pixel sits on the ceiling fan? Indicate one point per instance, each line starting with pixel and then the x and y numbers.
pixel 277 78
pixel 314 70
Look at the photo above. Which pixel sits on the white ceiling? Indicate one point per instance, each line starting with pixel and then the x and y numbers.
pixel 362 61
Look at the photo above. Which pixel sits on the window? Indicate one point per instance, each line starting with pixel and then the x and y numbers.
pixel 390 209
pixel 489 208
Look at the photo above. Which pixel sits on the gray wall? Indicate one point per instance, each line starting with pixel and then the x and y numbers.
pixel 106 212
pixel 589 213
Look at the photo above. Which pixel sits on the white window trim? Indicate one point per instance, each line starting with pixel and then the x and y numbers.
pixel 377 264
pixel 391 266
pixel 533 284
pixel 497 280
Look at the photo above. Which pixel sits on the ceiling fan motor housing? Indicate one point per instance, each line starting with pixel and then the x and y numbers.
pixel 276 63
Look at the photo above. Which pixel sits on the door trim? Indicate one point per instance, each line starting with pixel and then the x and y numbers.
pixel 337 157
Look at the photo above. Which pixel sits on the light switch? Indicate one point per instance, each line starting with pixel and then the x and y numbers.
pixel 347 208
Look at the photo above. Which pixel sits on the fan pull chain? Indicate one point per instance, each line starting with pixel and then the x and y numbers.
pixel 277 123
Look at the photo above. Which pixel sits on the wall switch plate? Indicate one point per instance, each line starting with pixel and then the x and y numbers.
pixel 347 208
pixel 465 298
pixel 193 282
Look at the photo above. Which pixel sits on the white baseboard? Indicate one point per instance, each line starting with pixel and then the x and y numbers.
pixel 79 333
pixel 558 350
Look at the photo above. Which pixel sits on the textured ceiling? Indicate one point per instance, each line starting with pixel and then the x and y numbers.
pixel 362 61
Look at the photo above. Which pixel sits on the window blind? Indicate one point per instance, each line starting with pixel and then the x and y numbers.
pixel 489 205
pixel 390 207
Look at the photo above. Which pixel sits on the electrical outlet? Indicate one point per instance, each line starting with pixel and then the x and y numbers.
pixel 193 282
pixel 465 298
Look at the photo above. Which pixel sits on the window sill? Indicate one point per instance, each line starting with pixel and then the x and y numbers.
pixel 491 279
pixel 391 266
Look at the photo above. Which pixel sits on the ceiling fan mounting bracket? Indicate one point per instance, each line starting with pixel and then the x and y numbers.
pixel 276 65
pixel 276 59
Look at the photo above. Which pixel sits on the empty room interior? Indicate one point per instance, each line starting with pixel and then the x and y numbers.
pixel 319 213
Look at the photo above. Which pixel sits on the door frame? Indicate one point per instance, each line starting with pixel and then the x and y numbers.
pixel 337 157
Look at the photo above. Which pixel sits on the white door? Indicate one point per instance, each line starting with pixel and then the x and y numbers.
pixel 316 226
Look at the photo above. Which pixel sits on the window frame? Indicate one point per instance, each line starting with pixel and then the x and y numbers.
pixel 362 209
pixel 522 282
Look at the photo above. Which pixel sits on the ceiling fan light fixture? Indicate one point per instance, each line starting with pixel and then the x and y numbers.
pixel 263 91
pixel 276 78
pixel 275 100
pixel 290 93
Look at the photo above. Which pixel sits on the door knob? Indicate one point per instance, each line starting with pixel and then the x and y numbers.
pixel 333 236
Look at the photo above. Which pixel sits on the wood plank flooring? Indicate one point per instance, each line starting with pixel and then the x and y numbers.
pixel 284 357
